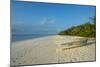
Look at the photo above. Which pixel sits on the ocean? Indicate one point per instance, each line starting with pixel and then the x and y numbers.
pixel 20 37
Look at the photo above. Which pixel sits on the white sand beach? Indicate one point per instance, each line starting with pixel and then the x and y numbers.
pixel 50 50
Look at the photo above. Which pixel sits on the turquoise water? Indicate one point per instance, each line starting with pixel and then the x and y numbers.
pixel 20 37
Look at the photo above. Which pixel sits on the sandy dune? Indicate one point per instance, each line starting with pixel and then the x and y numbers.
pixel 49 50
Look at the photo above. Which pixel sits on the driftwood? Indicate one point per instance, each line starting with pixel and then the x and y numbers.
pixel 74 44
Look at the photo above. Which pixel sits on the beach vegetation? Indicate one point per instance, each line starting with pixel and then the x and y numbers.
pixel 87 29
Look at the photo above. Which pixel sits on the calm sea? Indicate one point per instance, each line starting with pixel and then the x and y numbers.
pixel 20 37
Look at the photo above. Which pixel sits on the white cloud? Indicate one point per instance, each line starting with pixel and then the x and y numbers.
pixel 43 21
pixel 52 21
pixel 47 21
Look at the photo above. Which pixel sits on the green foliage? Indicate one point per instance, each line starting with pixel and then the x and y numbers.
pixel 85 30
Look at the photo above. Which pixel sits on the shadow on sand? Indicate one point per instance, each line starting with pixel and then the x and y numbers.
pixel 77 44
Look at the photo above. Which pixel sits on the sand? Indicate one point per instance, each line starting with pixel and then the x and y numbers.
pixel 49 50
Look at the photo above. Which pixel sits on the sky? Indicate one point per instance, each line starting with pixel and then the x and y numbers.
pixel 47 18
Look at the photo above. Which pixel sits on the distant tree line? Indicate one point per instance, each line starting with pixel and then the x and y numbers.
pixel 86 30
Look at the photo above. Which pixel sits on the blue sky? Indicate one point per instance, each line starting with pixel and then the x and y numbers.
pixel 44 18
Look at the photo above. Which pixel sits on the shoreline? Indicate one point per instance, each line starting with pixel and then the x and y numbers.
pixel 48 49
pixel 47 37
